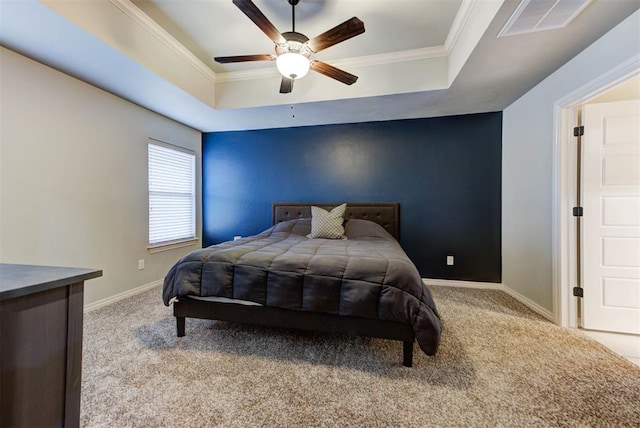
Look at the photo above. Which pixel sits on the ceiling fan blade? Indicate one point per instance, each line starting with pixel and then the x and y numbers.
pixel 337 34
pixel 244 58
pixel 286 85
pixel 251 10
pixel 333 72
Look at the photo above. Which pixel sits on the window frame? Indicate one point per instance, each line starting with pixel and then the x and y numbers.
pixel 178 242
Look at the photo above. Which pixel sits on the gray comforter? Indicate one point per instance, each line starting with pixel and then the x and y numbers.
pixel 367 275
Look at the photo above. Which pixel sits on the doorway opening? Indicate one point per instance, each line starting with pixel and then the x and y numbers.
pixel 566 115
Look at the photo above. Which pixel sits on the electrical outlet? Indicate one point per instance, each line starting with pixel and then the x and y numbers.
pixel 449 260
pixel 140 264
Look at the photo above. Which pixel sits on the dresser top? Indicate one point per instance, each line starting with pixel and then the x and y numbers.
pixel 22 280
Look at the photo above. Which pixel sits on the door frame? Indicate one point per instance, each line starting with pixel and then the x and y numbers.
pixel 565 118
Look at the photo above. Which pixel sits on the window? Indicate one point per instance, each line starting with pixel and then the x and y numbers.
pixel 172 202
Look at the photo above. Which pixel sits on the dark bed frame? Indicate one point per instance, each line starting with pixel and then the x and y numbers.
pixel 384 213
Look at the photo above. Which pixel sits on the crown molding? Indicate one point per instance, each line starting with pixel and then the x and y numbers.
pixel 152 27
pixel 260 73
pixel 459 22
pixel 393 57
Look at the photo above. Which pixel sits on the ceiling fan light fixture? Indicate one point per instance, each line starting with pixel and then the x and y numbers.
pixel 293 65
pixel 293 50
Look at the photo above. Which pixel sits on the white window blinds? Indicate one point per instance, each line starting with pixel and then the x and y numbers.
pixel 172 202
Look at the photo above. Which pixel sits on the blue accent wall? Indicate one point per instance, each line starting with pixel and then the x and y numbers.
pixel 445 173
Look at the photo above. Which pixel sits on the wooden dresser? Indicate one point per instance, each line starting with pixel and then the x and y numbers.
pixel 41 344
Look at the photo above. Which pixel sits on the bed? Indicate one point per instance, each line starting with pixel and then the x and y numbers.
pixel 361 285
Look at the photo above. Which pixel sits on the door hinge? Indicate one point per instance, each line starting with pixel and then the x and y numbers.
pixel 578 292
pixel 577 211
pixel 578 131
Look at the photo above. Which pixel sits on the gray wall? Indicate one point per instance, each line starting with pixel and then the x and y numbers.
pixel 73 177
pixel 527 163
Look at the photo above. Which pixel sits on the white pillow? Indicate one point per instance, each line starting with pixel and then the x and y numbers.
pixel 327 224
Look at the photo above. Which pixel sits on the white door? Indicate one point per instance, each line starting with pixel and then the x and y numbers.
pixel 611 222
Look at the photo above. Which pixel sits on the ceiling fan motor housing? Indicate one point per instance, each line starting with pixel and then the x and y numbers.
pixel 296 42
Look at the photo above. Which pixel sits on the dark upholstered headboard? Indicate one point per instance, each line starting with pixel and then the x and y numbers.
pixel 386 214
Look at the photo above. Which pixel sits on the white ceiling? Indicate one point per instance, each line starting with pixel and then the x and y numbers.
pixel 417 58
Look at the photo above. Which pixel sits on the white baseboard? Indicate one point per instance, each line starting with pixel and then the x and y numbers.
pixel 115 298
pixel 463 284
pixel 529 303
pixel 494 286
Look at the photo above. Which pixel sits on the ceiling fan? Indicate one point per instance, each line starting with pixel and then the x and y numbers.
pixel 294 50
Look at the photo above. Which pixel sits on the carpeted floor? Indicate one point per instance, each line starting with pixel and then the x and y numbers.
pixel 499 364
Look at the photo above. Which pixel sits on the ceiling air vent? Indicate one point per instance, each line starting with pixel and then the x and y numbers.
pixel 540 15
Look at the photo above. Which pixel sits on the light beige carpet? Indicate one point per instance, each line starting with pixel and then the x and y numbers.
pixel 499 364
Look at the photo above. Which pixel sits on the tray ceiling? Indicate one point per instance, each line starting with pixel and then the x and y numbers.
pixel 417 58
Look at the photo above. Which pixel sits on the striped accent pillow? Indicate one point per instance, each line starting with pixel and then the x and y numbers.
pixel 327 224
